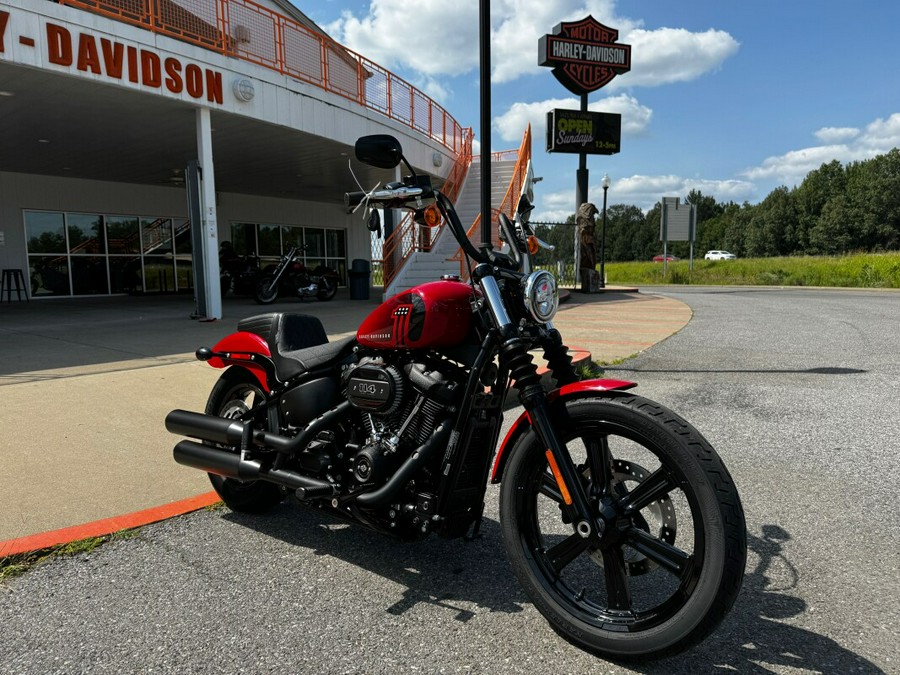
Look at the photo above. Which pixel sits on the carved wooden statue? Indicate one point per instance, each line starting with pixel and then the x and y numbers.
pixel 584 221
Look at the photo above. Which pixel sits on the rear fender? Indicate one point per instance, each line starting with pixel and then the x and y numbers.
pixel 239 349
pixel 569 392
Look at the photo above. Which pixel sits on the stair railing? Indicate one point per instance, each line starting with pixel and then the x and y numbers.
pixel 509 203
pixel 409 237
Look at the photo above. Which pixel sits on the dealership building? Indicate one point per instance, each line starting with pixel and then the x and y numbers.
pixel 110 110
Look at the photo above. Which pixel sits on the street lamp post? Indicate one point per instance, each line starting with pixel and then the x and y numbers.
pixel 605 185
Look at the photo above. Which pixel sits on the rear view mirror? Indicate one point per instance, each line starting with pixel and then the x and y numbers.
pixel 380 150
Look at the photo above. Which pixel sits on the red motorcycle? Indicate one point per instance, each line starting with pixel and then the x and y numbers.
pixel 619 520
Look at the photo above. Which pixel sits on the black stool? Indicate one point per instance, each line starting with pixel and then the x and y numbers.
pixel 11 277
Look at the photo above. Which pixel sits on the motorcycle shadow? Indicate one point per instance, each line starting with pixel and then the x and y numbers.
pixel 434 571
pixel 753 639
pixel 460 574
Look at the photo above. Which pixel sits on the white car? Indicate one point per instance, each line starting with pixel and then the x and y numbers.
pixel 719 255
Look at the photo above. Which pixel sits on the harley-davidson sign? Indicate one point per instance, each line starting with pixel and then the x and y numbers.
pixel 584 54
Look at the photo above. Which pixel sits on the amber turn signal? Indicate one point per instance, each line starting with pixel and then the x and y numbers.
pixel 432 216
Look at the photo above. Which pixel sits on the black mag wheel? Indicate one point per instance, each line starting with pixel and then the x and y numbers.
pixel 266 291
pixel 235 393
pixel 670 560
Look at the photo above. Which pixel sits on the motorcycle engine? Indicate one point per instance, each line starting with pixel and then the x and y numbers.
pixel 401 404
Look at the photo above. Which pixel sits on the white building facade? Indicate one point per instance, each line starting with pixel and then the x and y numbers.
pixel 104 103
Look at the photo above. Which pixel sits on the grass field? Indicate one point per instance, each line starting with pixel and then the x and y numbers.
pixel 867 270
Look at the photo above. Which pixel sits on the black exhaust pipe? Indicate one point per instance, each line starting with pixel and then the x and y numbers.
pixel 230 431
pixel 407 470
pixel 230 465
pixel 205 427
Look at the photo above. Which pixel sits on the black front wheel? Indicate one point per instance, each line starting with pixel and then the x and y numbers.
pixel 669 558
pixel 266 290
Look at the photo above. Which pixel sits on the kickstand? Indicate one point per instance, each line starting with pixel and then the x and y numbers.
pixel 476 528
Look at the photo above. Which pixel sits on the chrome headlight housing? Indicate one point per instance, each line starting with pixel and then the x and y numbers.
pixel 541 295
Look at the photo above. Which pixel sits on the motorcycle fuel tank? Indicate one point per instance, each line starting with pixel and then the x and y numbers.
pixel 432 315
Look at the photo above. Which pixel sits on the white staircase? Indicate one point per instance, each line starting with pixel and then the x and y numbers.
pixel 429 266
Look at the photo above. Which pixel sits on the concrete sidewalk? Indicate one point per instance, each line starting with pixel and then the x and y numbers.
pixel 87 382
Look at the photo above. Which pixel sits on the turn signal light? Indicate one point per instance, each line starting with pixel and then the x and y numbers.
pixel 533 245
pixel 432 216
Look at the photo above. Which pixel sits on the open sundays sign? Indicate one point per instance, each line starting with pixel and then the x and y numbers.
pixel 589 133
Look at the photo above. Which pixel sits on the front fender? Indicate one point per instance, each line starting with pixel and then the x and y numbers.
pixel 237 350
pixel 569 392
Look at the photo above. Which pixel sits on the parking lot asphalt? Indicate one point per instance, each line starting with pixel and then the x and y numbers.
pixel 87 382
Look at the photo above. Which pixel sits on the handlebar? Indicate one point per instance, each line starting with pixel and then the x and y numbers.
pixel 386 195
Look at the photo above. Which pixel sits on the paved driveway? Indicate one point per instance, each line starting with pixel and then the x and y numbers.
pixel 798 391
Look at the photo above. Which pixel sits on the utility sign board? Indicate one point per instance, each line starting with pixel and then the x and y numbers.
pixel 677 222
pixel 584 54
pixel 590 133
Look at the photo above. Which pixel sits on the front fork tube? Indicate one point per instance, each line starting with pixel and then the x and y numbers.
pixel 534 399
pixel 575 500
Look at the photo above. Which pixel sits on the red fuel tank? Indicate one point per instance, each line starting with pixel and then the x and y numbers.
pixel 436 314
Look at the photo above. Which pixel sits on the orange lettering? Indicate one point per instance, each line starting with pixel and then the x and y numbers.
pixel 132 64
pixel 194 80
pixel 4 21
pixel 112 57
pixel 59 45
pixel 174 82
pixel 213 86
pixel 88 58
pixel 151 74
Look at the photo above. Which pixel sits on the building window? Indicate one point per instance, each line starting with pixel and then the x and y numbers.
pixel 91 254
pixel 323 246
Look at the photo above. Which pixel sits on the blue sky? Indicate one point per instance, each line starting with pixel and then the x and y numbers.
pixel 730 97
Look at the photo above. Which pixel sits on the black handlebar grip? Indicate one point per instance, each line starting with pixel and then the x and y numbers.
pixel 353 199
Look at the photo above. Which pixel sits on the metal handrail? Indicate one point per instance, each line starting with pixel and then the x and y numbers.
pixel 408 238
pixel 509 203
pixel 249 31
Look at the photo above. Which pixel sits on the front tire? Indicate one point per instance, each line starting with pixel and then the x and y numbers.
pixel 266 291
pixel 669 564
pixel 235 393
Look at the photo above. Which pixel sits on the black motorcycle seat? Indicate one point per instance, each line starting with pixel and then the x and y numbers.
pixel 298 342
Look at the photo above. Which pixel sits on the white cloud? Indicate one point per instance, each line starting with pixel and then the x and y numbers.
pixel 836 134
pixel 511 124
pixel 444 39
pixel 674 55
pixel 882 135
pixel 644 192
pixel 791 168
pixel 432 38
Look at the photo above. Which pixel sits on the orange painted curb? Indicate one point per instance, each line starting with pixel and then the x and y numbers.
pixel 98 528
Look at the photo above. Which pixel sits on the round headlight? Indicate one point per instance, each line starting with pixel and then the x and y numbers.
pixel 541 295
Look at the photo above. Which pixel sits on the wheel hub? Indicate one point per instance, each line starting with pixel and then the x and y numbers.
pixel 657 519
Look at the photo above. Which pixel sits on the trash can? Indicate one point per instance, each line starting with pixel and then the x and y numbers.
pixel 359 279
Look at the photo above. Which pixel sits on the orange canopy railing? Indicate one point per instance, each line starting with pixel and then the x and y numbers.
pixel 510 200
pixel 246 30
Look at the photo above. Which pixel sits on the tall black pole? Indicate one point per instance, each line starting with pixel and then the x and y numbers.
pixel 581 178
pixel 581 194
pixel 485 130
pixel 603 239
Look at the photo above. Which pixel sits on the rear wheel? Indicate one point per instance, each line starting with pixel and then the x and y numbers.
pixel 266 291
pixel 670 559
pixel 234 395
